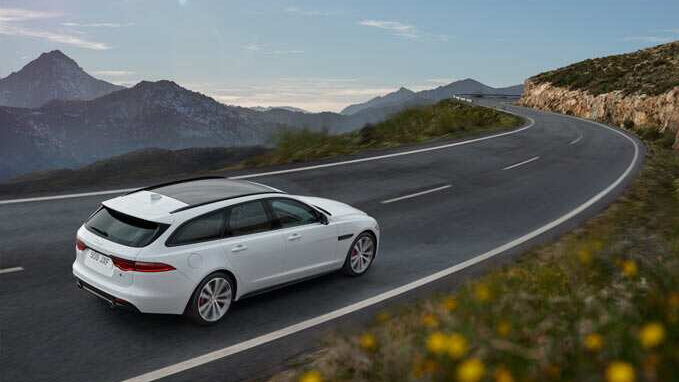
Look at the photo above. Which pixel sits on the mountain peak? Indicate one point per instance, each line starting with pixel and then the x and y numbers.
pixel 54 54
pixel 403 90
pixel 51 76
pixel 160 84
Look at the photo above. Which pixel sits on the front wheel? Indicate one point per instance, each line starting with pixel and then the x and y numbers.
pixel 361 255
pixel 211 299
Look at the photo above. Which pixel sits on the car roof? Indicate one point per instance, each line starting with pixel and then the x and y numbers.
pixel 157 201
pixel 207 190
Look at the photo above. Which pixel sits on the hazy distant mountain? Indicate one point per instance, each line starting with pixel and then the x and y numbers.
pixel 468 86
pixel 52 76
pixel 400 96
pixel 288 108
pixel 151 114
pixel 405 97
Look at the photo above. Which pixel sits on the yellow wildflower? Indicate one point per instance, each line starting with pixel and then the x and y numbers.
pixel 367 341
pixel 470 370
pixel 450 303
pixel 503 375
pixel 482 292
pixel 619 371
pixel 503 328
pixel 457 346
pixel 430 321
pixel 652 335
pixel 629 268
pixel 311 376
pixel 594 342
pixel 382 317
pixel 585 256
pixel 437 343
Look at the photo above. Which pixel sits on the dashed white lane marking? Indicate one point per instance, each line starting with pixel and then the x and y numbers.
pixel 416 194
pixel 521 163
pixel 318 320
pixel 576 140
pixel 10 270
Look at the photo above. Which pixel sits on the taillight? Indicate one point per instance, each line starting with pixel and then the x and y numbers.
pixel 122 264
pixel 140 266
pixel 79 245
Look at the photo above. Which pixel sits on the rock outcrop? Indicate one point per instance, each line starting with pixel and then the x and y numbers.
pixel 653 112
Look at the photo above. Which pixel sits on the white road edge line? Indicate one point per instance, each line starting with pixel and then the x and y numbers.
pixel 576 140
pixel 10 270
pixel 416 194
pixel 297 169
pixel 315 321
pixel 521 163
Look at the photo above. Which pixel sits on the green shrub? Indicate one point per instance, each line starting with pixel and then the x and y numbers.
pixel 448 118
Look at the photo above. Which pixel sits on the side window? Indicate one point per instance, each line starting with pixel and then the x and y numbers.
pixel 291 213
pixel 246 218
pixel 203 228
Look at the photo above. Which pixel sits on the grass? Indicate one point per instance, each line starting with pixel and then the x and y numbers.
pixel 650 71
pixel 446 119
pixel 600 304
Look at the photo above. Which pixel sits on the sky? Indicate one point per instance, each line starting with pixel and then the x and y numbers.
pixel 325 55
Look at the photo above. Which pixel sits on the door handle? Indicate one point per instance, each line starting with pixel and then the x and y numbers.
pixel 239 248
pixel 294 236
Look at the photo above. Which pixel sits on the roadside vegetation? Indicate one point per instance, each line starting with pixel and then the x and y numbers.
pixel 650 71
pixel 600 304
pixel 446 119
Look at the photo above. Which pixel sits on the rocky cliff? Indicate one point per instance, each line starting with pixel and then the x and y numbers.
pixel 641 111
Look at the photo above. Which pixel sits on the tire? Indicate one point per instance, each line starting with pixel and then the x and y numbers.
pixel 361 255
pixel 211 300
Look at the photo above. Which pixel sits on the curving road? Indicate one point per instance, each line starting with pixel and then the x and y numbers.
pixel 446 213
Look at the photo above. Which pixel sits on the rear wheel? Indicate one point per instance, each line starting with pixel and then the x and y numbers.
pixel 361 254
pixel 211 299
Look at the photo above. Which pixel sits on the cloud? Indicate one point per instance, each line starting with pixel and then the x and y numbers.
pixel 254 47
pixel 651 39
pixel 304 12
pixel 114 73
pixel 11 24
pixel 309 93
pixel 403 30
pixel 183 2
pixel 264 49
pixel 96 25
pixel 397 28
pixel 441 81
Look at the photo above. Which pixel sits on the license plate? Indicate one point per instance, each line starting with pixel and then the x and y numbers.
pixel 99 263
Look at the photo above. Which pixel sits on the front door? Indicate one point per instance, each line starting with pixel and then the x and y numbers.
pixel 309 244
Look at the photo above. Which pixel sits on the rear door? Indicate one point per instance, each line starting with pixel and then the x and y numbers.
pixel 309 244
pixel 253 247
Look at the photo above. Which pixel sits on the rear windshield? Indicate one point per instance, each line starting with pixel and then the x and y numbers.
pixel 123 229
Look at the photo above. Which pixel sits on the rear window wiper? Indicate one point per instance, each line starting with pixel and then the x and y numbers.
pixel 97 230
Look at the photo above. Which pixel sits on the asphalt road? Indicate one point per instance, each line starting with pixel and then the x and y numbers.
pixel 499 189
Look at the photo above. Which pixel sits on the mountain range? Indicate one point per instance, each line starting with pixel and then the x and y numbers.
pixel 468 87
pixel 55 115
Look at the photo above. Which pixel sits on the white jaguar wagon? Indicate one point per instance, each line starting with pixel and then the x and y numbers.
pixel 194 246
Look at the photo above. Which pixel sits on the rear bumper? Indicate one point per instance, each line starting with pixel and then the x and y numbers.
pixel 112 301
pixel 162 292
